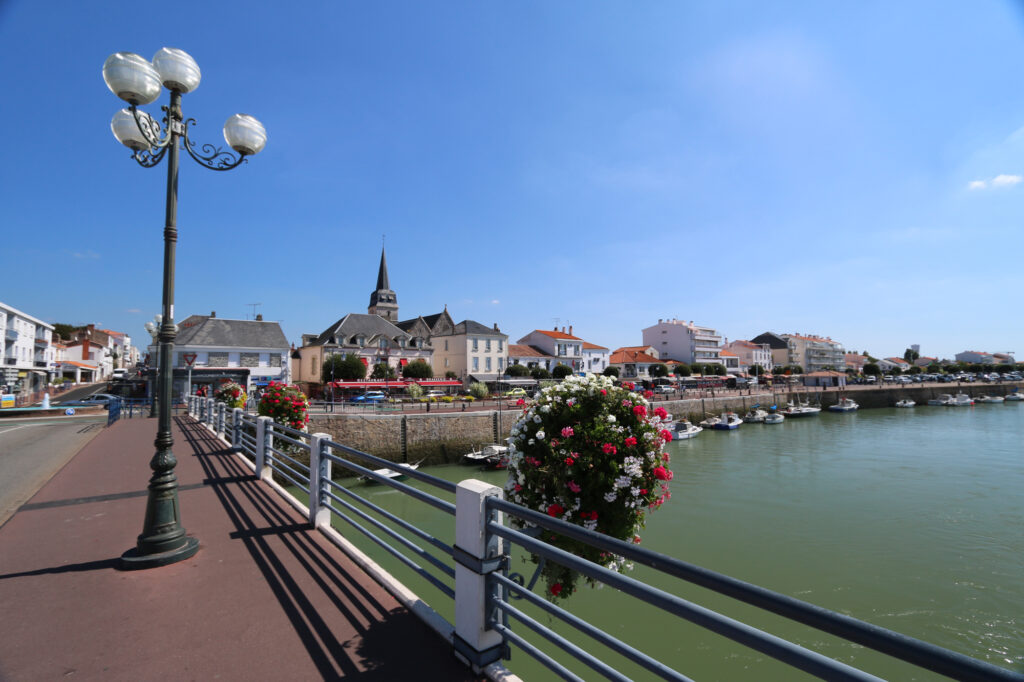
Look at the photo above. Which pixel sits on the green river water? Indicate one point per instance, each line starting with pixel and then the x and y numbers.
pixel 909 519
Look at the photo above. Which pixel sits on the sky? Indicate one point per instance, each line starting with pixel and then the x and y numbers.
pixel 850 170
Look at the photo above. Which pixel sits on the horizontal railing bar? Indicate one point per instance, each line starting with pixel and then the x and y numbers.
pixel 416 549
pixel 548 662
pixel 303 487
pixel 561 642
pixel 281 462
pixel 287 439
pixel 903 647
pixel 444 547
pixel 770 645
pixel 282 455
pixel 447 486
pixel 295 433
pixel 620 647
pixel 416 568
pixel 438 503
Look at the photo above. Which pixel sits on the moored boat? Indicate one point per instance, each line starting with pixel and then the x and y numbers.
pixel 944 400
pixel 400 471
pixel 1015 396
pixel 962 400
pixel 754 415
pixel 774 418
pixel 989 399
pixel 684 429
pixel 797 410
pixel 728 422
pixel 485 453
pixel 906 402
pixel 844 405
pixel 709 422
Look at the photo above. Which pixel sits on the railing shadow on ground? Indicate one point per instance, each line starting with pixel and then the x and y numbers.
pixel 266 525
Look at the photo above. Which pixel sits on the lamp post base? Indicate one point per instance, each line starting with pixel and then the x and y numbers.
pixel 133 560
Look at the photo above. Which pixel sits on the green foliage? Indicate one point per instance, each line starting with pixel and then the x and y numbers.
pixel 447 399
pixel 756 370
pixel 872 369
pixel 611 372
pixel 910 355
pixel 285 405
pixel 561 371
pixel 915 370
pixel 63 330
pixel 345 368
pixel 450 374
pixel 468 398
pixel 570 453
pixel 418 369
pixel 796 369
pixel 478 389
pixel 658 370
pixel 414 390
pixel 539 373
pixel 383 371
pixel 518 371
pixel 934 368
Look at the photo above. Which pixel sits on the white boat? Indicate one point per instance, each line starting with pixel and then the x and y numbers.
pixel 844 405
pixel 684 429
pixel 1014 397
pixel 962 399
pixel 393 474
pixel 485 453
pixel 804 410
pixel 728 422
pixel 906 402
pixel 754 416
pixel 774 418
pixel 710 422
pixel 944 400
pixel 989 399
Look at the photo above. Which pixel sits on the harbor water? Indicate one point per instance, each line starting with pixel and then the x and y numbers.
pixel 910 519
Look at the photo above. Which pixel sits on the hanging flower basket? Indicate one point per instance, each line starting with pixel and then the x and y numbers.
pixel 285 405
pixel 232 394
pixel 590 453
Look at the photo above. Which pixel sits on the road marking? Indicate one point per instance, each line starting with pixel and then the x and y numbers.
pixel 15 428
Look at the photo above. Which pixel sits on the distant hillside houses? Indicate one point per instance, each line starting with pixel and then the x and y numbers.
pixel 977 357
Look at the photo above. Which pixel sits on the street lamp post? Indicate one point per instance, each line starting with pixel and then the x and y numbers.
pixel 129 76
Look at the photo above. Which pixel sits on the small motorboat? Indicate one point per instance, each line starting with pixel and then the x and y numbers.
pixel 800 410
pixel 401 469
pixel 943 400
pixel 1014 397
pixel 962 400
pixel 684 429
pixel 728 422
pixel 485 453
pixel 844 405
pixel 774 418
pixel 989 399
pixel 755 415
pixel 906 402
pixel 710 422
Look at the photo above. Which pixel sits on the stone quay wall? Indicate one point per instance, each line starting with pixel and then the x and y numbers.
pixel 444 437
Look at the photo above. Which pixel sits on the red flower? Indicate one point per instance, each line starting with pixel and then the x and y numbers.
pixel 660 412
pixel 520 402
pixel 518 487
pixel 630 441
pixel 604 392
pixel 648 394
pixel 569 461
pixel 555 589
pixel 609 449
pixel 662 474
pixel 556 510
pixel 640 410
pixel 666 435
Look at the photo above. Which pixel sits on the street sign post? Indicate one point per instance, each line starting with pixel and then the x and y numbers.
pixel 189 359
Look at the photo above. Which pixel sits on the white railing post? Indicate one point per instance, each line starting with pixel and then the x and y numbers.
pixel 264 438
pixel 210 407
pixel 222 409
pixel 319 475
pixel 236 428
pixel 477 554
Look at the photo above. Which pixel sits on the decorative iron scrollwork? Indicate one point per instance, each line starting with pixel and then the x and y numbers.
pixel 212 157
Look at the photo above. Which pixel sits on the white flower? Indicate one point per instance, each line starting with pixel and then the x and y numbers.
pixel 530 442
pixel 611 419
pixel 540 435
pixel 610 497
pixel 536 419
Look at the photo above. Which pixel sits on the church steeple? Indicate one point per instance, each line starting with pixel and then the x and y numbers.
pixel 383 301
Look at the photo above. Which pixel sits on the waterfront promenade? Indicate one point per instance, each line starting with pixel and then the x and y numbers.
pixel 266 597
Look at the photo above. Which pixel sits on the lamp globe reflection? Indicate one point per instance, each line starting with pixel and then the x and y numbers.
pixel 138 82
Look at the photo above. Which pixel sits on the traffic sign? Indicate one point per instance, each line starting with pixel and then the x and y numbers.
pixel 189 358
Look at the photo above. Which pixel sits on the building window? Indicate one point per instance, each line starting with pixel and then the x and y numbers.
pixel 475 347
pixel 487 345
pixel 446 344
pixel 501 363
pixel 476 364
pixel 446 362
pixel 487 363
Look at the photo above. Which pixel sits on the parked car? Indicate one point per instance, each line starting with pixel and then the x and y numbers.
pixel 370 397
pixel 665 389
pixel 120 373
pixel 516 393
pixel 103 399
pixel 435 394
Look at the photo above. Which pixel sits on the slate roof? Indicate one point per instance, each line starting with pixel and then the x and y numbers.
pixel 359 323
pixel 471 327
pixel 215 331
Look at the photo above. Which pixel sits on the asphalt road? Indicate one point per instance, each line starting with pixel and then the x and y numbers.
pixel 32 450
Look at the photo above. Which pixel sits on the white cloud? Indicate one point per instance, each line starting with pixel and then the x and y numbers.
pixel 1006 180
pixel 1001 180
pixel 495 302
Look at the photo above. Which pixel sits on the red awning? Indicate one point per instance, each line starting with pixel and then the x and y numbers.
pixel 396 383
pixel 365 362
pixel 403 362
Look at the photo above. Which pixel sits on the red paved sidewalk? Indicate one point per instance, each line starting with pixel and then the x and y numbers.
pixel 266 598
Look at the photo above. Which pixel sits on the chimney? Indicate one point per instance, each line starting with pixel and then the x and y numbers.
pixel 563 328
pixel 259 317
pixel 570 330
pixel 496 327
pixel 213 313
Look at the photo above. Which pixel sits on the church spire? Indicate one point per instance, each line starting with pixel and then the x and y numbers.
pixel 383 301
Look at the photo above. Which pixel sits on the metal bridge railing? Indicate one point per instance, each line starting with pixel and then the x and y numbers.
pixel 486 527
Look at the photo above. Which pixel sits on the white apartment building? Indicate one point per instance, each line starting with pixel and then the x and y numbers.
pixel 815 353
pixel 750 354
pixel 29 356
pixel 565 348
pixel 595 358
pixel 684 341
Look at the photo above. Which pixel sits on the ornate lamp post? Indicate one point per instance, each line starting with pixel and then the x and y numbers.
pixel 137 81
pixel 153 327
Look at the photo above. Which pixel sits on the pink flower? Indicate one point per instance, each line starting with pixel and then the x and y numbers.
pixel 640 410
pixel 666 435
pixel 604 392
pixel 609 449
pixel 555 589
pixel 555 510
pixel 574 486
pixel 660 412
pixel 592 516
pixel 567 431
pixel 630 441
pixel 665 457
pixel 569 461
pixel 648 394
pixel 518 487
pixel 662 474
pixel 521 401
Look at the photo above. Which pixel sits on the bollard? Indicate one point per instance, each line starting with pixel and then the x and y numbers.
pixel 264 439
pixel 319 476
pixel 236 428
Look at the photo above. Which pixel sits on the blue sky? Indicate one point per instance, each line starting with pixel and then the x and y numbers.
pixel 844 169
